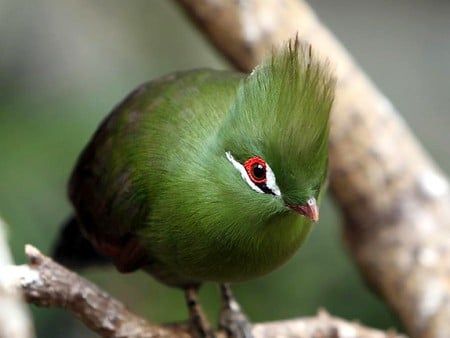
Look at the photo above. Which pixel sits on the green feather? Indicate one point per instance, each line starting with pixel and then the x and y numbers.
pixel 156 174
pixel 281 114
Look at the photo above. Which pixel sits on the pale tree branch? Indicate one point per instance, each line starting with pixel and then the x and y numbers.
pixel 15 320
pixel 46 283
pixel 394 199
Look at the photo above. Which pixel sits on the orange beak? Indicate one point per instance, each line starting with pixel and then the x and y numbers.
pixel 309 210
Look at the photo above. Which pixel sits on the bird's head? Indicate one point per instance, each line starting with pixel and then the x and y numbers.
pixel 275 139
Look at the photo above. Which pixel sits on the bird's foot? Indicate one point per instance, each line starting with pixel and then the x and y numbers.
pixel 232 320
pixel 201 328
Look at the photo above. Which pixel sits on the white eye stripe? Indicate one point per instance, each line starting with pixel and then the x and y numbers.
pixel 270 176
pixel 271 181
pixel 243 172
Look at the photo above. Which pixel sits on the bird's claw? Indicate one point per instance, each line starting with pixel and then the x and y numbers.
pixel 235 324
pixel 232 320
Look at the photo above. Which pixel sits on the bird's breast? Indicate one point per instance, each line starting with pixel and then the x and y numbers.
pixel 232 257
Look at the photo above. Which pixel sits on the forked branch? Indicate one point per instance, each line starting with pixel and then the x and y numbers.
pixel 44 282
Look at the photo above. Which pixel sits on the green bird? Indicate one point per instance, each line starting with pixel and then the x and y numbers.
pixel 206 175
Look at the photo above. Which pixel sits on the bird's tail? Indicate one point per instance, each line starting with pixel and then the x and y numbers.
pixel 73 250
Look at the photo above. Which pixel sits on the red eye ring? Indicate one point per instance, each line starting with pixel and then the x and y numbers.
pixel 256 170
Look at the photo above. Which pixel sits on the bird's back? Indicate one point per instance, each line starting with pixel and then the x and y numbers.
pixel 120 173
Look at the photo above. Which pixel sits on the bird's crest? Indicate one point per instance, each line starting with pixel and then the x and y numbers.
pixel 281 111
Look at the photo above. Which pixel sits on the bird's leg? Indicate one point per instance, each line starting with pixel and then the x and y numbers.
pixel 197 317
pixel 232 320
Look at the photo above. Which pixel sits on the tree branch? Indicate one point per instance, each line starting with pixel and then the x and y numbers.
pixel 46 283
pixel 14 318
pixel 394 199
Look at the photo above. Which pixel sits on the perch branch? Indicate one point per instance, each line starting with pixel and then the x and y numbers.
pixel 14 318
pixel 394 200
pixel 46 283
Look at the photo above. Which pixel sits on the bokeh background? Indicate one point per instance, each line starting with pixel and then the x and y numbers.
pixel 65 64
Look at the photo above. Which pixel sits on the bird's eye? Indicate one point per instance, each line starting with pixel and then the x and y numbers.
pixel 256 170
pixel 257 174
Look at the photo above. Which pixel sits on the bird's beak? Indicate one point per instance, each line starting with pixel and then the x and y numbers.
pixel 309 210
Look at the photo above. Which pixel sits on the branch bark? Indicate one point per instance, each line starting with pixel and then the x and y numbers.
pixel 394 199
pixel 14 318
pixel 46 283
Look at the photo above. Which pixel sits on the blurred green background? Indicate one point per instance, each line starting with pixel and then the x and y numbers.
pixel 65 64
